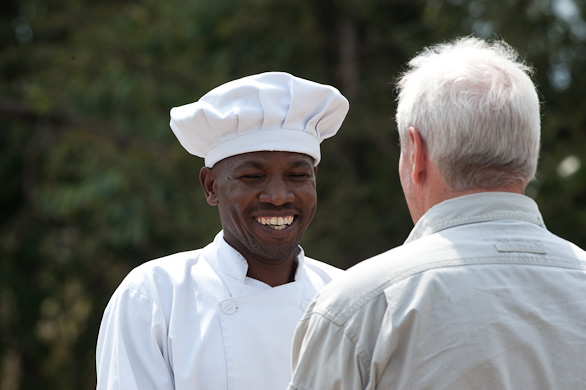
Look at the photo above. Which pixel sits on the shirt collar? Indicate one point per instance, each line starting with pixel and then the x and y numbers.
pixel 479 207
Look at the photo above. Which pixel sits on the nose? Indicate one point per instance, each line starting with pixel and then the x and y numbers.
pixel 276 192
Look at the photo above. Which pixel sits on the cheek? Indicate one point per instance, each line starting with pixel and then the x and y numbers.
pixel 308 194
pixel 230 207
pixel 306 199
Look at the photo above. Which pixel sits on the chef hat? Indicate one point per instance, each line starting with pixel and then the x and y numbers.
pixel 272 111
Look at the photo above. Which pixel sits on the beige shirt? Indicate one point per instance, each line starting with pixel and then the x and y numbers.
pixel 481 296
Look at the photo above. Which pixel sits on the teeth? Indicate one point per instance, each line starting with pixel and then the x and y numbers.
pixel 277 223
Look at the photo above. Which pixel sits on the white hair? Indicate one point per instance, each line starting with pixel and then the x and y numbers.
pixel 476 108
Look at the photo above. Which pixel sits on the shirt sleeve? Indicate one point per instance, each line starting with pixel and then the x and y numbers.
pixel 325 357
pixel 132 344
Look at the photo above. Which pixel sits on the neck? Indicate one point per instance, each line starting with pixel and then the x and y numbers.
pixel 442 193
pixel 434 190
pixel 273 274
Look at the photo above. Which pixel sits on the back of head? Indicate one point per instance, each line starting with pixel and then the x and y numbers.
pixel 474 104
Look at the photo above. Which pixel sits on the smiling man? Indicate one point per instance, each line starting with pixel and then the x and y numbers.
pixel 223 317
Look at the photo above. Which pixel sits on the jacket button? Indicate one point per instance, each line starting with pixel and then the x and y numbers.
pixel 228 307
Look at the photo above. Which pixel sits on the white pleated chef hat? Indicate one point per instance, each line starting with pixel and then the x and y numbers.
pixel 271 111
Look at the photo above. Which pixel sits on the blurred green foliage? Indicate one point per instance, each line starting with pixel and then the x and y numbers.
pixel 95 183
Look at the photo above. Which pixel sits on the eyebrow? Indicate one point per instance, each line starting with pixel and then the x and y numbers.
pixel 249 164
pixel 302 164
pixel 259 165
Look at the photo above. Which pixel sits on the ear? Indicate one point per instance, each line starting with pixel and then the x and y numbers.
pixel 418 156
pixel 207 179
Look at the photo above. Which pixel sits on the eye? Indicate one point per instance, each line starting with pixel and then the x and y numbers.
pixel 299 175
pixel 251 176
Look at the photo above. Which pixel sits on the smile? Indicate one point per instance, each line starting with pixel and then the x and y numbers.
pixel 277 223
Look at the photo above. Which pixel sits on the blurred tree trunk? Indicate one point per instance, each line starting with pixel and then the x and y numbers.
pixel 348 46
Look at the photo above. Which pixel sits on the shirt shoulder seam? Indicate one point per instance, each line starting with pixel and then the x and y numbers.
pixel 342 316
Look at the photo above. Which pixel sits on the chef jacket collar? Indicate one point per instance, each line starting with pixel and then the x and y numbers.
pixel 230 262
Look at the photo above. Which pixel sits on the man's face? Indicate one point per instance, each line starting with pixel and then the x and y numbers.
pixel 266 201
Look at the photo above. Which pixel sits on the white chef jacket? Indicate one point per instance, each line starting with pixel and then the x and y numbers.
pixel 193 320
pixel 481 296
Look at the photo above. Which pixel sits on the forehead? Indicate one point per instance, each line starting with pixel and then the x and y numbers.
pixel 266 160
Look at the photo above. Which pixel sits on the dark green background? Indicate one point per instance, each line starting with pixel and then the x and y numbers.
pixel 95 183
